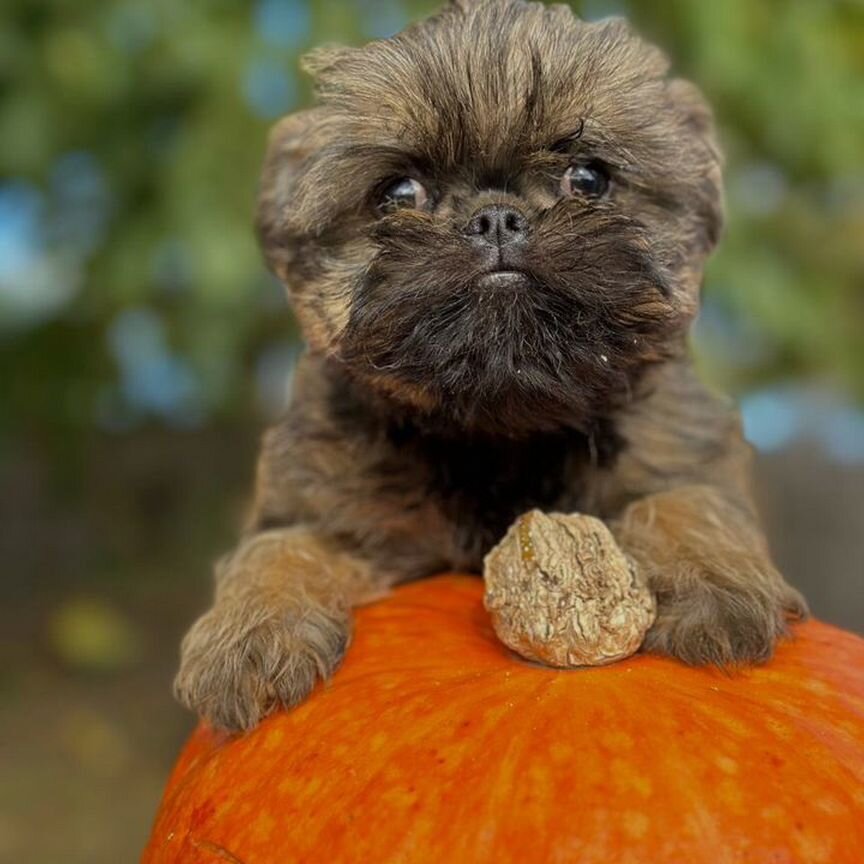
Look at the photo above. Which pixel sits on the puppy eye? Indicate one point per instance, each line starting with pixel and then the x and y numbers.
pixel 591 180
pixel 405 193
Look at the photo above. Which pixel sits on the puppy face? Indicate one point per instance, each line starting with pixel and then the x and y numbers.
pixel 498 217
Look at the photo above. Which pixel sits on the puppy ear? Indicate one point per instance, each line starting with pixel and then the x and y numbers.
pixel 697 119
pixel 694 109
pixel 290 142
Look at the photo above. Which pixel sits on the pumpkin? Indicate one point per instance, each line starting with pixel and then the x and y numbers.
pixel 434 743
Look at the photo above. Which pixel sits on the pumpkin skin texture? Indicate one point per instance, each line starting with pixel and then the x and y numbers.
pixel 433 743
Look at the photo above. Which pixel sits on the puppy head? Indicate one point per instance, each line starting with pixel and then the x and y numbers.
pixel 498 216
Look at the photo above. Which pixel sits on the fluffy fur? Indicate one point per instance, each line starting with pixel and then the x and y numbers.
pixel 434 406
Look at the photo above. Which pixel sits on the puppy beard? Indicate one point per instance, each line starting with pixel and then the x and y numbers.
pixel 561 347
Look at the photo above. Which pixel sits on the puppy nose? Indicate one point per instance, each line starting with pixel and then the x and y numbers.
pixel 497 225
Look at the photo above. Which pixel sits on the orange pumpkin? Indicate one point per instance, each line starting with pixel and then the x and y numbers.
pixel 434 744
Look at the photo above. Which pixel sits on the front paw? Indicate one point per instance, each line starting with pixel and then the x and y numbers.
pixel 723 625
pixel 239 664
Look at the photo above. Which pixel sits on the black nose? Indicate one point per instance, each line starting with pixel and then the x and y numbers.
pixel 497 225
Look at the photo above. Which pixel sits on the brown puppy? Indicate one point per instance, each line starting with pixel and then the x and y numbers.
pixel 493 229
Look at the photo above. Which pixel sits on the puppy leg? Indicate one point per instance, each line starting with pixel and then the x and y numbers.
pixel 720 599
pixel 281 620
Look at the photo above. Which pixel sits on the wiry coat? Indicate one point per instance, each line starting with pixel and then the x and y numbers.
pixel 430 409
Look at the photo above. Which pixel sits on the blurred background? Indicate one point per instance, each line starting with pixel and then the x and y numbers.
pixel 143 346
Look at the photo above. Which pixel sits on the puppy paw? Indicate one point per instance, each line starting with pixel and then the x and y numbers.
pixel 239 664
pixel 724 626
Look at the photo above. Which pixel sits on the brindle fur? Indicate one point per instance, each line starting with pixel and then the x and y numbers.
pixel 428 414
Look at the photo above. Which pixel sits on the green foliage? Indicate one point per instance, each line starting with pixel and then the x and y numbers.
pixel 786 82
pixel 131 133
pixel 91 635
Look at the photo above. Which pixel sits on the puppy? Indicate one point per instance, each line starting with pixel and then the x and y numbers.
pixel 493 228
